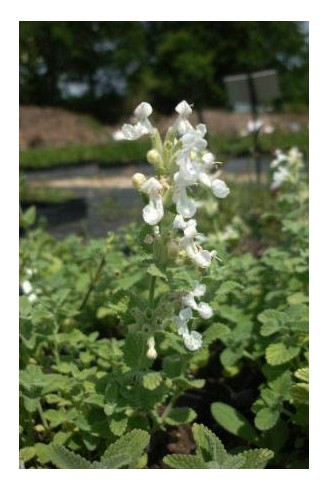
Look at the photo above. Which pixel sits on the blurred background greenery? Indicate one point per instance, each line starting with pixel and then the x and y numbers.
pixel 105 68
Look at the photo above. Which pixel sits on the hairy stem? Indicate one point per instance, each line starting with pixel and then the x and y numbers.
pixel 93 282
pixel 152 291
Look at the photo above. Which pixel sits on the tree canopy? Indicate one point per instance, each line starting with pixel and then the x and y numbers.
pixel 105 68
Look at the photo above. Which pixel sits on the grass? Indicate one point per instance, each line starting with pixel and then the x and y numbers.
pixel 122 152
pixel 112 153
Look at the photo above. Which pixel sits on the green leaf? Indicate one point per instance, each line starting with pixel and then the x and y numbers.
pixel 302 374
pixel 135 349
pixel 154 271
pixel 257 458
pixel 125 450
pixel 297 299
pixel 174 365
pixel 118 425
pixel 300 393
pixel 230 357
pixel 185 462
pixel 209 446
pixel 28 218
pixel 272 320
pixel 266 418
pixel 215 332
pixel 65 459
pixel 27 453
pixel 151 380
pixel 231 462
pixel 232 421
pixel 277 354
pixel 180 415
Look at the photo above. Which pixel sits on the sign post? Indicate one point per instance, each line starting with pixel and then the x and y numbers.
pixel 253 91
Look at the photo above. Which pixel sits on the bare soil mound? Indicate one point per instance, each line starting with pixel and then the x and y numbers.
pixel 55 127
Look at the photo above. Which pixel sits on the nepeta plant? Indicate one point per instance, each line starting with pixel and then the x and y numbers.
pixel 182 164
pixel 287 168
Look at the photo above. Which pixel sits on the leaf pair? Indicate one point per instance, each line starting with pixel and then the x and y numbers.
pixel 125 452
pixel 211 454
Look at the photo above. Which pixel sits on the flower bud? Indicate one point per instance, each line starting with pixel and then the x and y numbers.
pixel 138 180
pixel 151 353
pixel 154 157
pixel 173 249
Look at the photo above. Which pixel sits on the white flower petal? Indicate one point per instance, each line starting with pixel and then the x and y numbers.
pixel 27 287
pixel 185 314
pixel 193 341
pixel 151 186
pixel 203 258
pixel 179 222
pixel 199 290
pixel 153 212
pixel 143 110
pixel 185 206
pixel 205 310
pixel 189 301
pixel 183 330
pixel 184 109
pixel 220 188
pixel 131 132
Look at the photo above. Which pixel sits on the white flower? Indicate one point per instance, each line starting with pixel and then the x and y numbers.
pixel 279 177
pixel 27 287
pixel 154 211
pixel 143 125
pixel 193 340
pixel 118 135
pixel 185 206
pixel 182 320
pixel 204 309
pixel 194 251
pixel 194 138
pixel 280 158
pixel 254 126
pixel 220 188
pixel 28 290
pixel 182 125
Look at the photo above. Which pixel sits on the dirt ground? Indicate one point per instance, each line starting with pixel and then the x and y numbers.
pixel 54 127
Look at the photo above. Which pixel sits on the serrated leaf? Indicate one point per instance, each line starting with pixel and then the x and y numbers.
pixel 282 385
pixel 180 415
pixel 302 374
pixel 173 366
pixel 134 350
pixel 118 425
pixel 152 380
pixel 125 450
pixel 256 458
pixel 209 446
pixel 185 462
pixel 266 418
pixel 228 287
pixel 229 357
pixel 232 421
pixel 27 453
pixel 277 354
pixel 65 459
pixel 154 271
pixel 271 320
pixel 232 462
pixel 300 393
pixel 215 332
pixel 269 396
pixel 297 299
